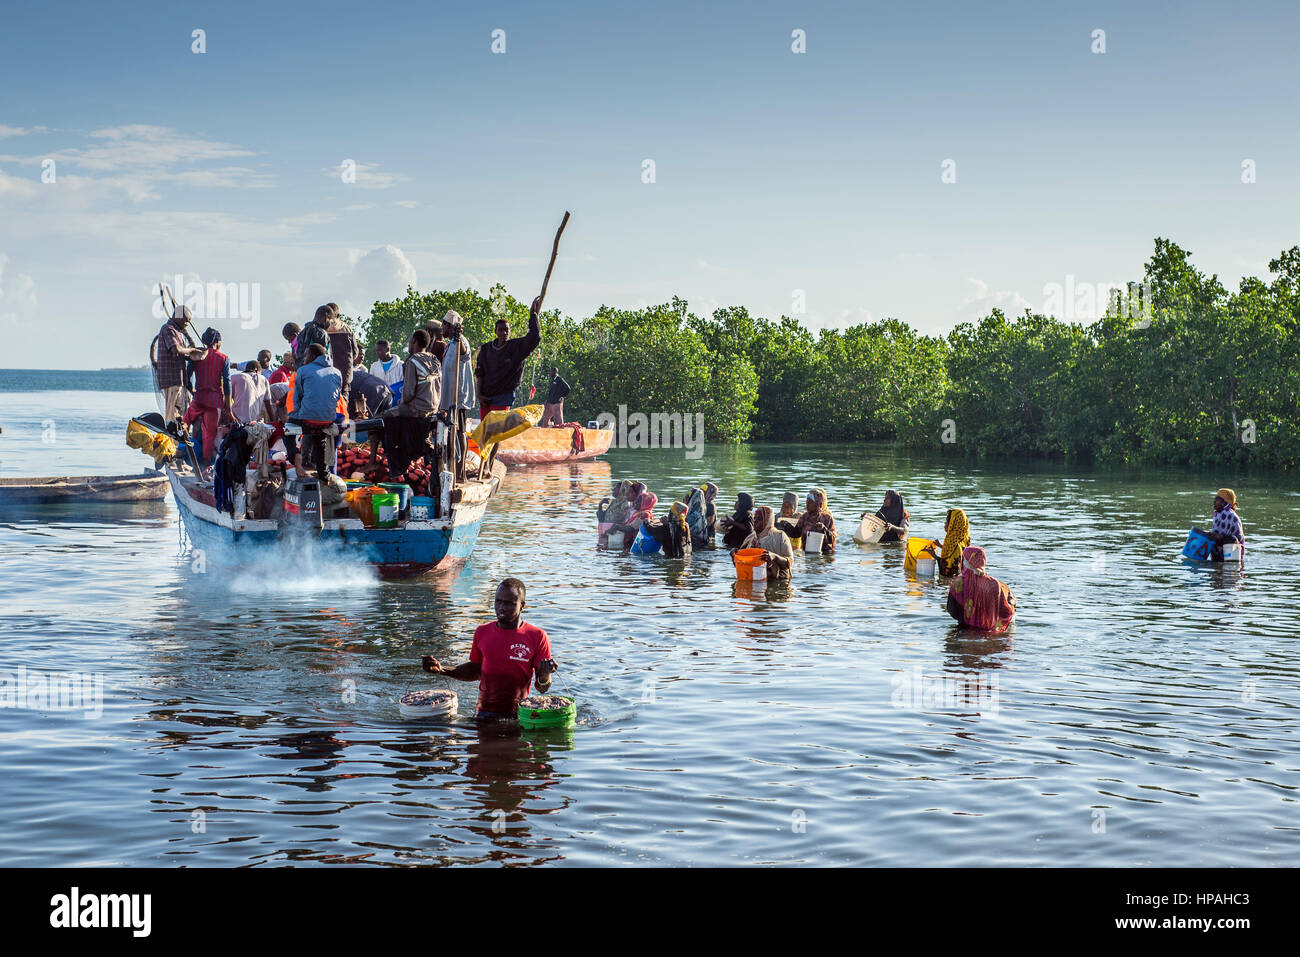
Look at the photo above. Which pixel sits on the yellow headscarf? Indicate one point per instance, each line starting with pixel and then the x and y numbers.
pixel 957 538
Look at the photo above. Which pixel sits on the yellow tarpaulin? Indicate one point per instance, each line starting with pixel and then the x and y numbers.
pixel 156 444
pixel 503 423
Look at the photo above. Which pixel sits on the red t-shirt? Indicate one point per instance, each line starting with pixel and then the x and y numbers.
pixel 508 658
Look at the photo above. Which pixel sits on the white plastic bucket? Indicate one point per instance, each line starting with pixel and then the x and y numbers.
pixel 812 542
pixel 1232 552
pixel 614 540
pixel 430 703
pixel 869 530
pixel 925 567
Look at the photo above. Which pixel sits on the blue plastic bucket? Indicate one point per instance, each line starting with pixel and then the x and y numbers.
pixel 645 544
pixel 1199 546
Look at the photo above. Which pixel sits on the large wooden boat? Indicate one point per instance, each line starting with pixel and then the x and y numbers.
pixel 538 446
pixel 433 543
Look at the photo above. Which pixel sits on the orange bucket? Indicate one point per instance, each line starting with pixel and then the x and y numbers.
pixel 750 566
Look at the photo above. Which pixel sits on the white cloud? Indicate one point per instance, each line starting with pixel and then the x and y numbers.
pixel 407 203
pixel 17 296
pixel 139 159
pixel 979 302
pixel 382 273
pixel 21 130
pixel 368 176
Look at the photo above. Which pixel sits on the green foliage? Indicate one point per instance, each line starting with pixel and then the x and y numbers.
pixel 1181 385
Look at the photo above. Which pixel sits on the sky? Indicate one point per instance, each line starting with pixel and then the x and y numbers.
pixel 809 184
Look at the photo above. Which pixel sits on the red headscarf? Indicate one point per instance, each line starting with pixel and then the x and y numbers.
pixel 645 508
pixel 983 605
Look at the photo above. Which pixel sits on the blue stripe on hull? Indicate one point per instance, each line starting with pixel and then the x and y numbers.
pixel 397 552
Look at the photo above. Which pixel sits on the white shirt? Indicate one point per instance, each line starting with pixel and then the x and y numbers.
pixel 391 375
pixel 247 393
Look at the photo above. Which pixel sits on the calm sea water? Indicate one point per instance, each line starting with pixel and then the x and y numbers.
pixel 1140 711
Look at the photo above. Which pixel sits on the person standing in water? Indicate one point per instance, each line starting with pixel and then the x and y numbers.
pixel 500 365
pixel 506 656
pixel 1226 524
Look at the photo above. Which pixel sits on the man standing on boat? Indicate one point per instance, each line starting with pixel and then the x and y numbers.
pixel 209 380
pixel 500 364
pixel 174 349
pixel 315 333
pixel 504 657
pixel 458 394
pixel 553 411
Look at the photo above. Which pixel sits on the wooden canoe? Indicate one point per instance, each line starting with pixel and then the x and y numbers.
pixel 538 445
pixel 142 487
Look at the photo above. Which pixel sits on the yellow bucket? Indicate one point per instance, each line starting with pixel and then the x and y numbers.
pixel 922 556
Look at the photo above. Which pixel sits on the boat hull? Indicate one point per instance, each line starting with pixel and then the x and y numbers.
pixel 418 548
pixel 538 446
pixel 145 487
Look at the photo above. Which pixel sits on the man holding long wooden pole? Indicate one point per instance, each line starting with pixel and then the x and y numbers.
pixel 500 365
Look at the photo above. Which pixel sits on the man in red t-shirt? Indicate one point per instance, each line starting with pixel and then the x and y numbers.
pixel 504 657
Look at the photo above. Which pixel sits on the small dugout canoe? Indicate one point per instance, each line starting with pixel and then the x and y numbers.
pixel 147 486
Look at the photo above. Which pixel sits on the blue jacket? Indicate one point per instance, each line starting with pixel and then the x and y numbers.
pixel 316 391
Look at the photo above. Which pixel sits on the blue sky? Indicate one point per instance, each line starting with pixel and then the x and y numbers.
pixel 775 171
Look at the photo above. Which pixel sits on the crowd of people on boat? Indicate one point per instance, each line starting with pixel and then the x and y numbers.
pixel 322 381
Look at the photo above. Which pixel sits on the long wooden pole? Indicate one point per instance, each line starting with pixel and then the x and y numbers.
pixel 555 251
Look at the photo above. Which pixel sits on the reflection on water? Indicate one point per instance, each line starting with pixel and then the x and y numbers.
pixel 840 717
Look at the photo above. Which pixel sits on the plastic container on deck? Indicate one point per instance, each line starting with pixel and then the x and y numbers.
pixel 385 506
pixel 401 490
pixel 421 508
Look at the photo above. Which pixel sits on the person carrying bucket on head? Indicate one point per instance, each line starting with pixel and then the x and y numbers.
pixel 506 656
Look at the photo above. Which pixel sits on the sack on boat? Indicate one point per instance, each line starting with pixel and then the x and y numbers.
pixel 504 423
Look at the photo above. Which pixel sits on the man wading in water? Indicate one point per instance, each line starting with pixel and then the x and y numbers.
pixel 500 365
pixel 503 658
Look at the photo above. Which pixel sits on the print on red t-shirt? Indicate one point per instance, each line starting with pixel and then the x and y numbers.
pixel 508 658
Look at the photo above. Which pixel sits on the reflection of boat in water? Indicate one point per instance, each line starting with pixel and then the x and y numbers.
pixel 546 445
pixel 147 486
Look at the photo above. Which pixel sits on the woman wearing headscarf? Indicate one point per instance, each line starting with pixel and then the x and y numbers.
pixel 977 599
pixel 774 542
pixel 894 516
pixel 644 509
pixel 741 523
pixel 956 536
pixel 671 532
pixel 702 515
pixel 611 511
pixel 818 518
pixel 788 520
pixel 1226 525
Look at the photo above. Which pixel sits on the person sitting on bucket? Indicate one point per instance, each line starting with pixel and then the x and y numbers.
pixel 504 657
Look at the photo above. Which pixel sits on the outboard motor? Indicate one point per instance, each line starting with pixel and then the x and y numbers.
pixel 302 503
